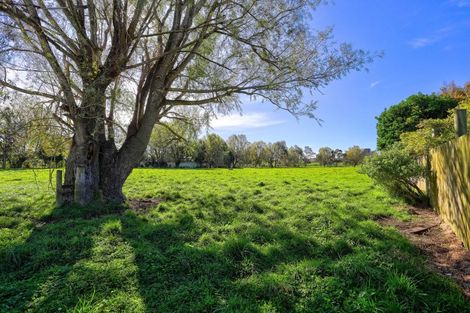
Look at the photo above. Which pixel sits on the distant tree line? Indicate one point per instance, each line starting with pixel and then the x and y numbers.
pixel 176 144
pixel 353 156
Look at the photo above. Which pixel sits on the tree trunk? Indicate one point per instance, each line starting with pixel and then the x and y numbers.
pixel 93 168
pixel 101 176
pixel 103 168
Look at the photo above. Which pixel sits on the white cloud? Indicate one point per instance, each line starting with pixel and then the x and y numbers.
pixel 437 36
pixel 422 42
pixel 249 120
pixel 373 84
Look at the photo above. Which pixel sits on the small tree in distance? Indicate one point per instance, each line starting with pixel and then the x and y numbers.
pixel 326 156
pixel 238 145
pixel 12 129
pixel 295 157
pixel 354 155
pixel 215 150
pixel 309 154
pixel 257 153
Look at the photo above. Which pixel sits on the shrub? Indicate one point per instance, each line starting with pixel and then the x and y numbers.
pixel 397 171
pixel 406 115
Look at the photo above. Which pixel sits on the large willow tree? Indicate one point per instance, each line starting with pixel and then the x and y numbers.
pixel 77 56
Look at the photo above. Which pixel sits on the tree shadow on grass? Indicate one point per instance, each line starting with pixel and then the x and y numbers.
pixel 76 258
pixel 175 275
pixel 49 272
pixel 269 267
pixel 99 259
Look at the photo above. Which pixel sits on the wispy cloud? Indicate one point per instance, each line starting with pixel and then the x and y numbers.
pixel 434 38
pixel 460 3
pixel 249 120
pixel 374 84
pixel 422 42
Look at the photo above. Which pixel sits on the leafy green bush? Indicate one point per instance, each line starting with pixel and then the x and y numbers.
pixel 398 171
pixel 406 115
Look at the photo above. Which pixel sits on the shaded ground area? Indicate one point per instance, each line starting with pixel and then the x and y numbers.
pixel 446 253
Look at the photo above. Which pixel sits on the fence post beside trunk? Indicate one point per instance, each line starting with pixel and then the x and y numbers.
pixel 79 195
pixel 59 199
pixel 460 122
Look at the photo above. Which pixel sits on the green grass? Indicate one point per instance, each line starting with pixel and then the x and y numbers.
pixel 250 240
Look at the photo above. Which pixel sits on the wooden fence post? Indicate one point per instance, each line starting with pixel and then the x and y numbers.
pixel 59 199
pixel 460 122
pixel 79 195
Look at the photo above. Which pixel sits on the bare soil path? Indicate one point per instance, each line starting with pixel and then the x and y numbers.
pixel 446 253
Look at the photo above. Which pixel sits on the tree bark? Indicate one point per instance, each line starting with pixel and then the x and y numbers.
pixel 103 177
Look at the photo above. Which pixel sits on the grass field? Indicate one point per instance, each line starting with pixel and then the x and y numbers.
pixel 249 240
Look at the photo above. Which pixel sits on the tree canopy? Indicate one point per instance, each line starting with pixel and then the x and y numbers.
pixel 406 116
pixel 354 155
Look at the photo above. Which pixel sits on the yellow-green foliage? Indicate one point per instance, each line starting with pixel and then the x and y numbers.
pixel 430 133
pixel 248 240
pixel 450 184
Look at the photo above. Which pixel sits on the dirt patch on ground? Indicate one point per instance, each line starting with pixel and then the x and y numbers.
pixel 143 205
pixel 446 253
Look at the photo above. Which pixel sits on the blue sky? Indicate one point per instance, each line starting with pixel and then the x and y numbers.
pixel 425 44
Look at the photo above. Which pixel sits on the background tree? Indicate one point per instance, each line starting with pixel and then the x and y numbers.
pixel 354 155
pixel 185 134
pixel 13 128
pixel 269 154
pixel 229 159
pixel 215 149
pixel 458 93
pixel 279 153
pixel 199 154
pixel 180 151
pixel 338 156
pixel 432 132
pixel 84 56
pixel 47 139
pixel 310 155
pixel 173 141
pixel 257 153
pixel 157 149
pixel 325 156
pixel 295 157
pixel 406 115
pixel 238 145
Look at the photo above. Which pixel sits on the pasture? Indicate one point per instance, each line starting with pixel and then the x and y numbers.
pixel 246 240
